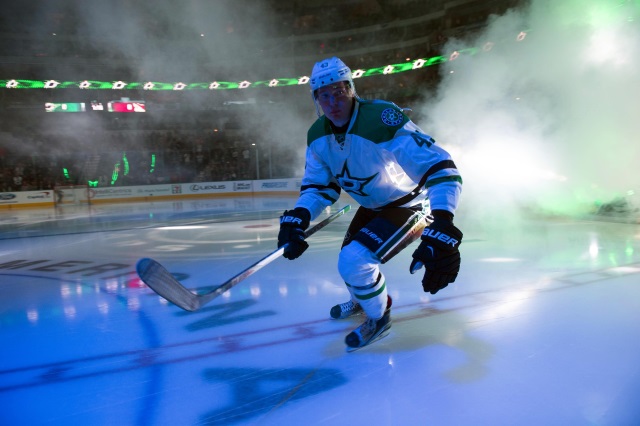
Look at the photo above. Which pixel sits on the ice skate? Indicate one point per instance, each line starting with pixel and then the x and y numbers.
pixel 370 331
pixel 350 308
pixel 346 310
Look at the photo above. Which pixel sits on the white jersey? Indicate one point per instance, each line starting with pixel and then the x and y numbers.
pixel 383 160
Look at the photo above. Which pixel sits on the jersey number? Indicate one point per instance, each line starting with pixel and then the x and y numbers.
pixel 422 139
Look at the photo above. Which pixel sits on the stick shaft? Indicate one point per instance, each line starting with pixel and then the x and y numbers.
pixel 162 282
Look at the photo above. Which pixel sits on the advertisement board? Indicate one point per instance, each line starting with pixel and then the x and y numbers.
pixel 27 198
pixel 162 192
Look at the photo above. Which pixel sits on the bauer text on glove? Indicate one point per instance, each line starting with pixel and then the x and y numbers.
pixel 438 252
pixel 292 226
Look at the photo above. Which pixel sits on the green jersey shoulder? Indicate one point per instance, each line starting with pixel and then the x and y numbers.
pixel 376 121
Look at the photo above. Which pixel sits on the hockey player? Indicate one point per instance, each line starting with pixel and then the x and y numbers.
pixel 374 152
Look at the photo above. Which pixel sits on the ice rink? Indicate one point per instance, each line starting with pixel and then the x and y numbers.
pixel 542 326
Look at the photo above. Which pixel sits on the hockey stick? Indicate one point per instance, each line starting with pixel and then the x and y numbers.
pixel 162 282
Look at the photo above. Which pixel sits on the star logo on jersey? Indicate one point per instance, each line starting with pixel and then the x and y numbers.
pixel 352 184
pixel 391 117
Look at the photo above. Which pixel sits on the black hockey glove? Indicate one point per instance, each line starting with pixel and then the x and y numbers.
pixel 292 226
pixel 438 252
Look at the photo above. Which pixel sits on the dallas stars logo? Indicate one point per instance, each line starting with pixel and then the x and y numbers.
pixel 352 184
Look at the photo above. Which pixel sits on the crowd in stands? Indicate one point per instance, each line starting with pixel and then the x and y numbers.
pixel 365 34
pixel 43 160
pixel 284 30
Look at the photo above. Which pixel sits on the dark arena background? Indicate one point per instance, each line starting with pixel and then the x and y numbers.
pixel 176 130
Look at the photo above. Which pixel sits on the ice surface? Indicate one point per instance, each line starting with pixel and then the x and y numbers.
pixel 541 326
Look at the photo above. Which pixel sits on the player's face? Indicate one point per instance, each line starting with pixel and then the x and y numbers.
pixel 336 101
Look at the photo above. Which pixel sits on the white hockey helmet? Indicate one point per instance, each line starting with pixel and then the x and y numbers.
pixel 328 71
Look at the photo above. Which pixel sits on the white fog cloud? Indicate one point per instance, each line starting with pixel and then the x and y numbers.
pixel 549 122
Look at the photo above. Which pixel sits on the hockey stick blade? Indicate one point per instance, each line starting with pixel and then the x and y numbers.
pixel 160 280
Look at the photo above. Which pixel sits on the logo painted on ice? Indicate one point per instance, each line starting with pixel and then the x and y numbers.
pixel 391 117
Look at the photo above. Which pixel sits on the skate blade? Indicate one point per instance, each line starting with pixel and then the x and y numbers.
pixel 357 314
pixel 375 339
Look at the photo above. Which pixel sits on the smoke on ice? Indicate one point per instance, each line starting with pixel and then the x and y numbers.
pixel 547 124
